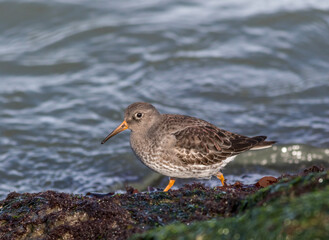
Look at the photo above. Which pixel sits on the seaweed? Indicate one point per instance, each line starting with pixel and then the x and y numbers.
pixel 194 208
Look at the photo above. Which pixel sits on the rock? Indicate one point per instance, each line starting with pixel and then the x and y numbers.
pixel 53 215
pixel 305 217
pixel 295 208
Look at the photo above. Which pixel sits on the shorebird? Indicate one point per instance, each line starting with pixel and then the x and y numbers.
pixel 181 146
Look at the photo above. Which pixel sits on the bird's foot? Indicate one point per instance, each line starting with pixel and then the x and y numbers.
pixel 220 176
pixel 170 184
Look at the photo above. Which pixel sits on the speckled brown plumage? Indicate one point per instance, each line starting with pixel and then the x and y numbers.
pixel 182 146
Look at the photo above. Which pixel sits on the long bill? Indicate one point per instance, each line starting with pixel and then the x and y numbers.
pixel 123 126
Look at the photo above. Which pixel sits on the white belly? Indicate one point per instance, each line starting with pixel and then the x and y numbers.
pixel 190 171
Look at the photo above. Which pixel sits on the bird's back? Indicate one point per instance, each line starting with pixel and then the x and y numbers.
pixel 198 142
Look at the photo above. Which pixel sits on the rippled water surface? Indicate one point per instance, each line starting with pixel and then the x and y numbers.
pixel 69 68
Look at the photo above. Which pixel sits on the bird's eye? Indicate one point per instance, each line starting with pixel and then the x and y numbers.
pixel 139 115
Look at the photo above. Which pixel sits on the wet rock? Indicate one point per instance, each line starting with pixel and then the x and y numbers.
pixel 312 170
pixel 53 215
pixel 294 208
pixel 305 217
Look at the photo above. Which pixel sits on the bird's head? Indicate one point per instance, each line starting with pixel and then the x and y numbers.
pixel 139 116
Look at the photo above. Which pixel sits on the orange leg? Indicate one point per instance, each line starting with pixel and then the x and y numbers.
pixel 170 184
pixel 220 176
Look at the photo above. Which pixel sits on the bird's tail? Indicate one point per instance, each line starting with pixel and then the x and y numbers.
pixel 262 144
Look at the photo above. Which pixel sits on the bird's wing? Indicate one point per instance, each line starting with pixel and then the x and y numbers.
pixel 208 144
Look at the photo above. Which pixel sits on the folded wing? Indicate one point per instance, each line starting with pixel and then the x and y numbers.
pixel 208 144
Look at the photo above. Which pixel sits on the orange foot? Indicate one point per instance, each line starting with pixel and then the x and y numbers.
pixel 220 176
pixel 170 184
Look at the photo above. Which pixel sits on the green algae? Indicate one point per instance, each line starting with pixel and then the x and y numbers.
pixel 306 217
pixel 285 187
pixel 295 209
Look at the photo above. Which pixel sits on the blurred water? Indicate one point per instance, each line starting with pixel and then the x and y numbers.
pixel 69 68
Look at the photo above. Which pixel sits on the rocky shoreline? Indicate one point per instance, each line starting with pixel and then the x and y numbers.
pixel 291 206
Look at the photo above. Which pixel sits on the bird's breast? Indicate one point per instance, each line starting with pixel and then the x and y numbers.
pixel 142 146
pixel 155 153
